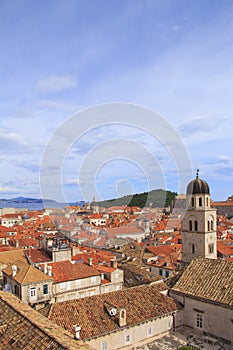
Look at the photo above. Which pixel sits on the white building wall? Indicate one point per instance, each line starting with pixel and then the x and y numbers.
pixel 217 320
pixel 136 334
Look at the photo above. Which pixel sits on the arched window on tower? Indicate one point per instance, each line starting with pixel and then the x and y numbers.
pixel 190 225
pixel 196 225
pixel 200 202
pixel 207 201
pixel 212 225
pixel 208 225
pixel 192 202
pixel 193 248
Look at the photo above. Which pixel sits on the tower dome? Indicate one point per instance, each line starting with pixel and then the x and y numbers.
pixel 198 186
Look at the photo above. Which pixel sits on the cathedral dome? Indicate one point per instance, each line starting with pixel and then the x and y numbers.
pixel 198 186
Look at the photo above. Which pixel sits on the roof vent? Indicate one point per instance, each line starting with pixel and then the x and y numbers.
pixel 113 311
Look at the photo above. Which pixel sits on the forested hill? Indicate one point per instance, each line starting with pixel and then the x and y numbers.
pixel 156 198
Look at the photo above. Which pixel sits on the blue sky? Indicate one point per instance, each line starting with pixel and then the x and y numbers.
pixel 60 57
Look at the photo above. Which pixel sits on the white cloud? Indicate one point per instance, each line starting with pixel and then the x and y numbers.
pixel 8 189
pixel 56 83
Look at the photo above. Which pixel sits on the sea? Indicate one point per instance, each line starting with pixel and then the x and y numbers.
pixel 38 206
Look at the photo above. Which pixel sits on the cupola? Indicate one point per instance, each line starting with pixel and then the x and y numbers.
pixel 198 186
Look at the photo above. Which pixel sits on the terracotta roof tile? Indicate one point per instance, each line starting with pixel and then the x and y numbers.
pixel 11 256
pixel 208 279
pixel 26 273
pixel 66 271
pixel 164 249
pixel 37 255
pixel 141 304
pixel 24 328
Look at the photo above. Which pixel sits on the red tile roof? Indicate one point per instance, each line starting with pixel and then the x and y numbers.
pixel 164 249
pixel 66 271
pixel 142 304
pixel 37 255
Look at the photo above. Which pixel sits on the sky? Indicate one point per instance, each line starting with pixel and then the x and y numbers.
pixel 61 58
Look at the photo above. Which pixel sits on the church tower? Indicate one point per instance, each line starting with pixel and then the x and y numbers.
pixel 94 208
pixel 199 223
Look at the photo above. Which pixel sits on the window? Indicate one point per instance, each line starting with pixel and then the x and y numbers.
pixel 127 338
pixel 192 202
pixel 208 226
pixel 167 274
pixel 200 202
pixel 212 225
pixel 104 346
pixel 16 289
pixel 207 202
pixel 78 283
pixel 32 292
pixel 199 320
pixel 193 248
pixel 45 289
pixel 149 331
pixel 211 248
pixel 196 225
pixel 161 272
pixel 190 225
pixel 63 285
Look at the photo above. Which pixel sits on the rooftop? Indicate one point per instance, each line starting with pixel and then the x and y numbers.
pixel 66 271
pixel 22 328
pixel 208 279
pixel 26 273
pixel 141 304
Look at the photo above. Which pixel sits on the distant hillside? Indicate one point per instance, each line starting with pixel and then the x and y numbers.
pixel 25 200
pixel 157 198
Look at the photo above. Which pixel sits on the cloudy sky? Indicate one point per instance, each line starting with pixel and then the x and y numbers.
pixel 59 58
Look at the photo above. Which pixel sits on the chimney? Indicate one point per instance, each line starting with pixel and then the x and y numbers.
pixel 14 270
pixel 45 269
pixel 114 263
pixel 90 260
pixel 75 250
pixel 122 317
pixel 77 330
pixel 49 271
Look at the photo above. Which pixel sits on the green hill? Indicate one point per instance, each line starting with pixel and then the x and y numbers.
pixel 156 198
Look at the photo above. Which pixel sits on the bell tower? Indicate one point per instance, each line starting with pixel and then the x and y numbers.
pixel 94 208
pixel 199 223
